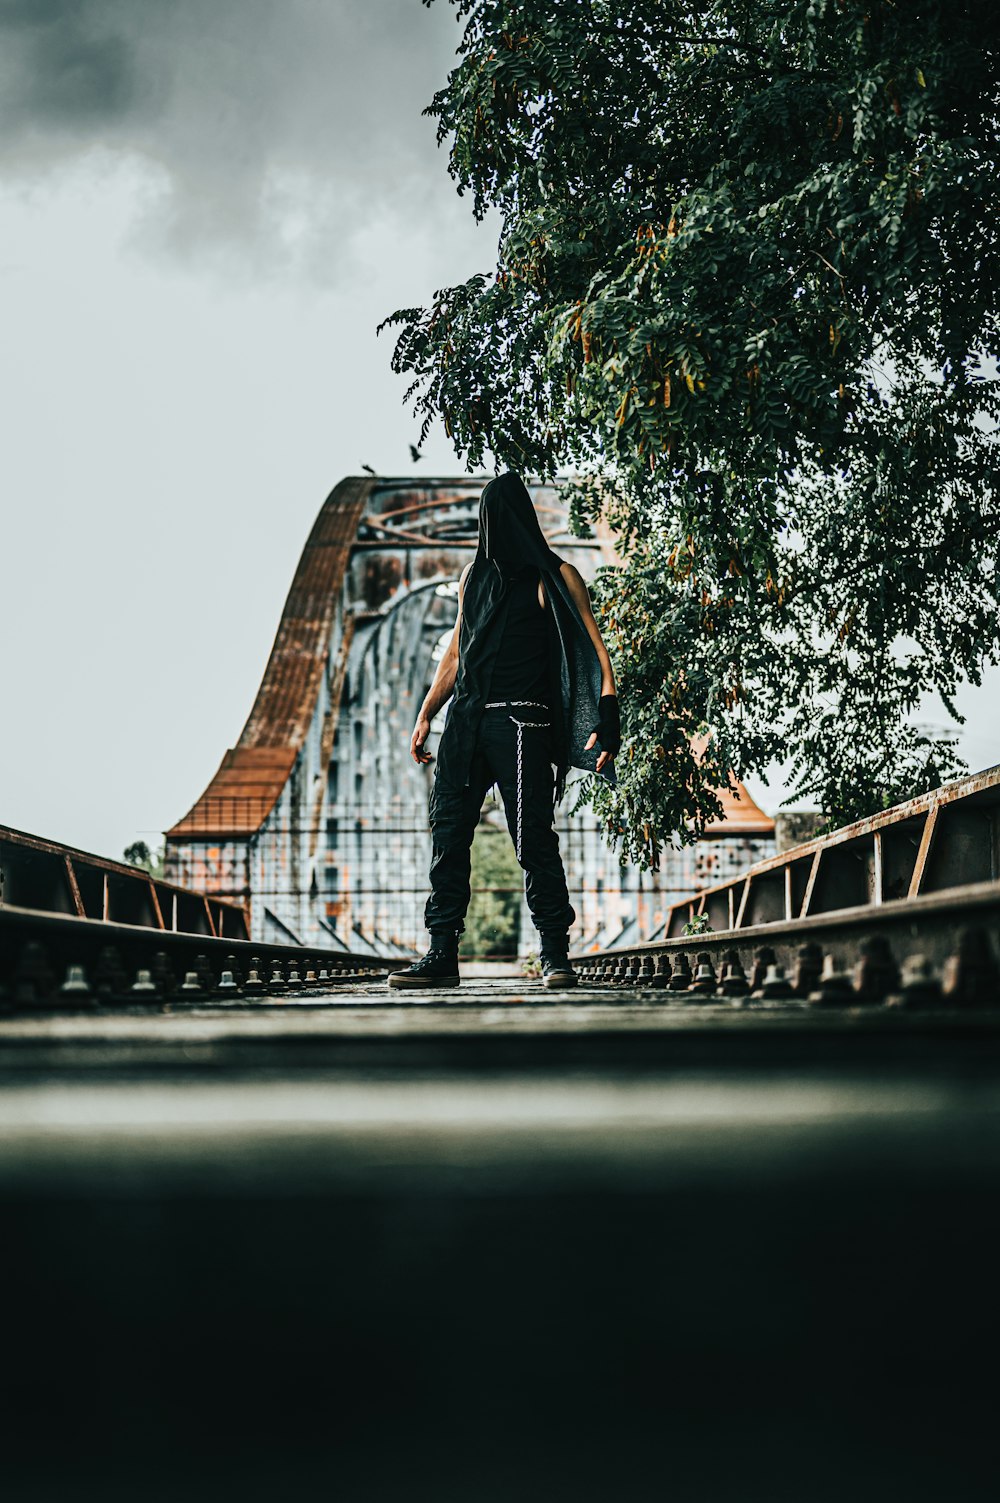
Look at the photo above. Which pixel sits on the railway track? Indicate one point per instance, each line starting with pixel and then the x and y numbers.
pixel 719 1224
pixel 78 933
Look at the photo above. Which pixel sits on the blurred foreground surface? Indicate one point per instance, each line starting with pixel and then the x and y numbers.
pixel 542 1250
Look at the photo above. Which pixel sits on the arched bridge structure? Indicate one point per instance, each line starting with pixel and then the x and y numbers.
pixel 317 818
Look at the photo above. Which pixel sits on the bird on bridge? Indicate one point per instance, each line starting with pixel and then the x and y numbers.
pixel 415 453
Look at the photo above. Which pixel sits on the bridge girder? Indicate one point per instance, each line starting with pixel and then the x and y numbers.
pixel 317 817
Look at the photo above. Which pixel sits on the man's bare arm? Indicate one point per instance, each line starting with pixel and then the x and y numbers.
pixel 442 684
pixel 576 585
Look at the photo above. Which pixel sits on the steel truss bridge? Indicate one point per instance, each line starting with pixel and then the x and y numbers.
pixel 720 1223
pixel 317 818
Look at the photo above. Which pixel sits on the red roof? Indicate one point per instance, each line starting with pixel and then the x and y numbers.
pixel 740 816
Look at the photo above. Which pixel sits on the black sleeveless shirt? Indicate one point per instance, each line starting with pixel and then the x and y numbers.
pixel 521 666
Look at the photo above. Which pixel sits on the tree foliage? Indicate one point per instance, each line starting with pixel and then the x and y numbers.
pixel 493 921
pixel 746 286
pixel 139 854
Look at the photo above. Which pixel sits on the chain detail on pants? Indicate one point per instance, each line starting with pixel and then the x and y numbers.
pixel 522 726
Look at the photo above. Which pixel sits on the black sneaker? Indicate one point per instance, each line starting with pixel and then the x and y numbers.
pixel 557 973
pixel 439 967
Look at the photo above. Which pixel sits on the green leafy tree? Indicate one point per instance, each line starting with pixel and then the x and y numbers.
pixel 139 854
pixel 493 921
pixel 747 288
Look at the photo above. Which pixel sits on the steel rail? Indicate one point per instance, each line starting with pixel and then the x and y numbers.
pixel 941 947
pixel 62 961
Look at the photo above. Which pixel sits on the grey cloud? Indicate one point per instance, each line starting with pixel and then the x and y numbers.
pixel 59 70
pixel 254 115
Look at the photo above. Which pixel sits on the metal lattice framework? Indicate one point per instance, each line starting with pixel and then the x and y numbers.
pixel 317 818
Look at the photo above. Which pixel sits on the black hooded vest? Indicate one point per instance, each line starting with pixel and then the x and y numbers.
pixel 521 668
pixel 510 540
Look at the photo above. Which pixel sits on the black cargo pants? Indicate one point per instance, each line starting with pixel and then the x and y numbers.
pixel 513 749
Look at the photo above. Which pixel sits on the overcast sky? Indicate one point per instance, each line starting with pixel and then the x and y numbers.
pixel 206 206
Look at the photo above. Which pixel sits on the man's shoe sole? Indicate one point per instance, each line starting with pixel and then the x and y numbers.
pixel 561 980
pixel 421 983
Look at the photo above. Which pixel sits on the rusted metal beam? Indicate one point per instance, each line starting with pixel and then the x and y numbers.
pixel 744 886
pixel 74 887
pixel 401 534
pixel 330 728
pixel 811 883
pixel 924 850
pixel 156 904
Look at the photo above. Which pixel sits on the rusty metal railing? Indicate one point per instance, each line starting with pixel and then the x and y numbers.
pixel 78 931
pixel 45 877
pixel 943 840
pixel 913 952
pixel 902 907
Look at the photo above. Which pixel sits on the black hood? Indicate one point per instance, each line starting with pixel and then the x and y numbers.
pixel 510 539
pixel 509 534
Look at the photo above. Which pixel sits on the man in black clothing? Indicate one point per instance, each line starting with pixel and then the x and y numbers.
pixel 532 694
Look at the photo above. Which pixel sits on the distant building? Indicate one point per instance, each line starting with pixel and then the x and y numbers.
pixel 317 818
pixel 794 826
